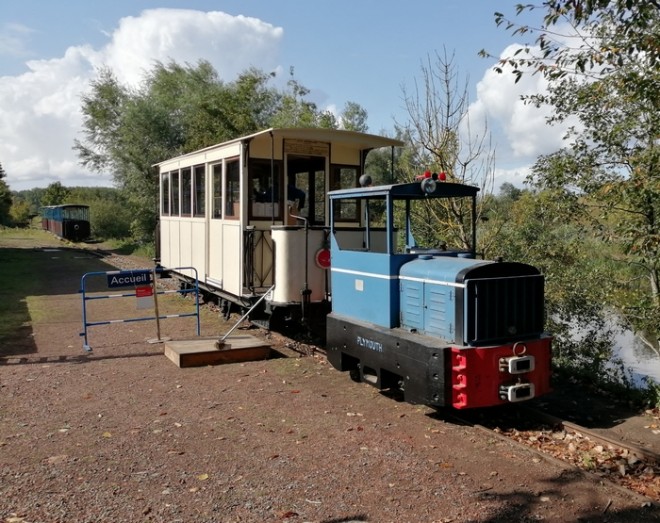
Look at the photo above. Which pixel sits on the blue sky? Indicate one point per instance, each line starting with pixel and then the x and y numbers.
pixel 363 51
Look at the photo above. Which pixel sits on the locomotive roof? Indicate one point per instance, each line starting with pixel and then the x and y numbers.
pixel 407 191
pixel 357 139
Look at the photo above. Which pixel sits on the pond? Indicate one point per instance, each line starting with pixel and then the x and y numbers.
pixel 637 356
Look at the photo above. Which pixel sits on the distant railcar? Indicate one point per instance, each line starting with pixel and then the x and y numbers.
pixel 68 221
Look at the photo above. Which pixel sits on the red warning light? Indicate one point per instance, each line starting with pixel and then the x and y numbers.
pixel 443 176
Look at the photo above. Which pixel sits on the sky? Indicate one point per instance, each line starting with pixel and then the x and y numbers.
pixel 363 51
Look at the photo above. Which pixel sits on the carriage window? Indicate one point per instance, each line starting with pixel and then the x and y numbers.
pixel 186 191
pixel 345 210
pixel 264 187
pixel 217 190
pixel 165 194
pixel 174 175
pixel 233 193
pixel 199 204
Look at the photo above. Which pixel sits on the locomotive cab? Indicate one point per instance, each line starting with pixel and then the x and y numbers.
pixel 446 328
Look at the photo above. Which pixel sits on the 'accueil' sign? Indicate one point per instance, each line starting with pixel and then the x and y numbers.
pixel 129 279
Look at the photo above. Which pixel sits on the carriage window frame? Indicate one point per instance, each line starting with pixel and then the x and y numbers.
pixel 165 194
pixel 262 197
pixel 232 189
pixel 345 210
pixel 186 191
pixel 199 191
pixel 175 193
pixel 217 190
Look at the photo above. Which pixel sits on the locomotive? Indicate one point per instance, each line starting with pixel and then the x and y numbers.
pixel 277 223
pixel 444 327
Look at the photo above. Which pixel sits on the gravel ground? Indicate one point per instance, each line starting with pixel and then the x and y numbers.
pixel 123 434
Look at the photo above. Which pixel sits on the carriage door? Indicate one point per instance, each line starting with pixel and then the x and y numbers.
pixel 306 178
pixel 306 186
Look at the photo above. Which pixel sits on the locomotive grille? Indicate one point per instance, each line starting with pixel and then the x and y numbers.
pixel 503 308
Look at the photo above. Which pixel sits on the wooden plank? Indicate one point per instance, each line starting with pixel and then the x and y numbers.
pixel 199 352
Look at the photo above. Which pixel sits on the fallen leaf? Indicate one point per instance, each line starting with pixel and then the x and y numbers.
pixel 288 514
pixel 203 477
pixel 107 435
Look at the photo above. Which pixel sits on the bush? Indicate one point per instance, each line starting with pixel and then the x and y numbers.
pixel 110 219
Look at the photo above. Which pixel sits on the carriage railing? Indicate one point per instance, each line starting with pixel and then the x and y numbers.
pixel 259 259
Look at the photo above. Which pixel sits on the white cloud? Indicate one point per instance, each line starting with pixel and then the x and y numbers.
pixel 41 108
pixel 515 176
pixel 524 127
pixel 230 43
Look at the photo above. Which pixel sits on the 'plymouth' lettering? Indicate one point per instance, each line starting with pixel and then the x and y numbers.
pixel 370 344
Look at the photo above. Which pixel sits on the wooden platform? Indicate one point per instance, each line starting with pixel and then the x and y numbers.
pixel 202 351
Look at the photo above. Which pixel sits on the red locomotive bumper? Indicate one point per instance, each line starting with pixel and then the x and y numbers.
pixel 495 375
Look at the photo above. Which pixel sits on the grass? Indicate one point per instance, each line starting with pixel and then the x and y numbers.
pixel 38 271
pixel 27 277
pixel 27 238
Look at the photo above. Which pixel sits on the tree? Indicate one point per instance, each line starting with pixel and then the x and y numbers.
pixel 19 212
pixel 178 109
pixel 5 199
pixel 55 194
pixel 608 33
pixel 5 203
pixel 33 198
pixel 354 118
pixel 294 110
pixel 610 82
pixel 443 140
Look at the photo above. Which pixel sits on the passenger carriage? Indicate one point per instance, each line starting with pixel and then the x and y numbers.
pixel 251 215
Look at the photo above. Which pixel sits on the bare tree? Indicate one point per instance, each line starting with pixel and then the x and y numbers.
pixel 442 139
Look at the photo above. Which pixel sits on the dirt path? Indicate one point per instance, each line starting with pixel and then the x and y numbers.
pixel 125 435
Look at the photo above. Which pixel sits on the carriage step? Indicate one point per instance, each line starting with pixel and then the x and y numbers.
pixel 200 352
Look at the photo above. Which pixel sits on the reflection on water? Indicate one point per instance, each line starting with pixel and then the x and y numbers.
pixel 637 356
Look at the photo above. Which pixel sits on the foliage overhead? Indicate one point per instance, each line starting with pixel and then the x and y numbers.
pixel 443 140
pixel 601 61
pixel 179 109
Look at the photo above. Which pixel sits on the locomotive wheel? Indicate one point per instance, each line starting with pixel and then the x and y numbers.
pixel 355 374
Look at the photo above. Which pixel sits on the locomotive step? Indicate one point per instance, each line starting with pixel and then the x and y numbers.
pixel 199 352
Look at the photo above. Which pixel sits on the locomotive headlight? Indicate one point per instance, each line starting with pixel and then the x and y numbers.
pixel 428 185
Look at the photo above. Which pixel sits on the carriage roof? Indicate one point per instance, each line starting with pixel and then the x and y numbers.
pixel 362 141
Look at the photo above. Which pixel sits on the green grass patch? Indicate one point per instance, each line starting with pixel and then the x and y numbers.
pixel 23 238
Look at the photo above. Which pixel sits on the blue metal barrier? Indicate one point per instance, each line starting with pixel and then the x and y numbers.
pixel 134 278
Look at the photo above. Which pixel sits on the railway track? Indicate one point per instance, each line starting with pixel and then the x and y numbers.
pixel 626 464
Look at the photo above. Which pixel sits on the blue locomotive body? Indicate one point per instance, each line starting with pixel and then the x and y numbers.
pixel 443 326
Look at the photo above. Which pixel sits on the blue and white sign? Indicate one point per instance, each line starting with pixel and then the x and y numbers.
pixel 128 279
